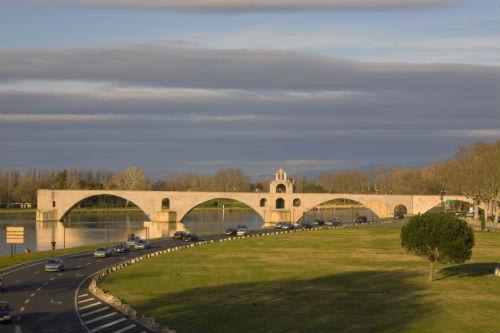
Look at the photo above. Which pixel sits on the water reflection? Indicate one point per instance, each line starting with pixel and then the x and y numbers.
pixel 89 229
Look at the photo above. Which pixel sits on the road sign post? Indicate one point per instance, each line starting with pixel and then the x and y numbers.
pixel 15 235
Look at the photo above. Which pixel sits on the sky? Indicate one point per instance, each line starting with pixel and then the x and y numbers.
pixel 200 85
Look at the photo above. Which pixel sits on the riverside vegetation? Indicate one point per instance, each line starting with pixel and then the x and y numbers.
pixel 341 280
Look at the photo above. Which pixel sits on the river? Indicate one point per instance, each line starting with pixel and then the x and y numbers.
pixel 88 229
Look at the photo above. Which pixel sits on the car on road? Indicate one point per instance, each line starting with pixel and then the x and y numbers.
pixel 121 248
pixel 190 237
pixel 334 222
pixel 230 232
pixel 279 225
pixel 179 235
pixel 399 216
pixel 143 244
pixel 54 265
pixel 5 312
pixel 287 226
pixel 361 219
pixel 103 252
pixel 305 225
pixel 1 284
pixel 318 223
pixel 242 231
pixel 132 241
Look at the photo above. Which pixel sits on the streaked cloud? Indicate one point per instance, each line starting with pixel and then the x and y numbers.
pixel 249 6
pixel 201 68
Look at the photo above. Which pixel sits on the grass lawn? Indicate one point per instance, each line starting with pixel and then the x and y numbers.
pixel 342 280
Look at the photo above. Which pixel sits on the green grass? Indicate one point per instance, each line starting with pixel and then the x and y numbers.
pixel 21 258
pixel 343 280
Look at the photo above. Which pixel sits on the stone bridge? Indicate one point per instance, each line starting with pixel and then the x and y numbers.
pixel 279 204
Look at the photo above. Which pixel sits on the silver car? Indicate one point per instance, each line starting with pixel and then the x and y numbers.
pixel 54 265
pixel 103 253
pixel 131 242
pixel 143 244
pixel 242 232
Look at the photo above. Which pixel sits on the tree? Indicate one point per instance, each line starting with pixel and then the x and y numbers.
pixel 132 179
pixel 438 238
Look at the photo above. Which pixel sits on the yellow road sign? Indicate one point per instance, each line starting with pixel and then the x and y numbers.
pixel 15 235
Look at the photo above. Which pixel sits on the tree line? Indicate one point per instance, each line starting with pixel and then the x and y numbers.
pixel 474 171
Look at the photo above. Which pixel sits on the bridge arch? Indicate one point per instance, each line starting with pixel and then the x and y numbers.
pixel 64 207
pixel 253 206
pixel 309 209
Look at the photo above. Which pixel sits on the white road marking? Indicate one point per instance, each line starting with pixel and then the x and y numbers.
pixel 60 274
pixel 18 281
pixel 33 294
pixel 83 295
pixel 125 328
pixel 78 267
pixel 38 289
pixel 89 263
pixel 97 329
pixel 26 301
pixel 54 302
pixel 37 272
pixel 21 309
pixel 86 300
pixel 45 283
pixel 94 312
pixel 52 278
pixel 100 318
pixel 17 329
pixel 90 305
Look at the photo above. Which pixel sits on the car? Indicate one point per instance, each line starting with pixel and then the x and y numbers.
pixel 399 216
pixel 5 312
pixel 132 241
pixel 287 226
pixel 318 223
pixel 305 225
pixel 179 235
pixel 361 219
pixel 279 225
pixel 335 221
pixel 121 248
pixel 190 237
pixel 1 284
pixel 54 265
pixel 242 231
pixel 230 232
pixel 143 244
pixel 491 218
pixel 103 252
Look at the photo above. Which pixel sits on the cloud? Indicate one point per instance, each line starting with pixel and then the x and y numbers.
pixel 200 68
pixel 249 6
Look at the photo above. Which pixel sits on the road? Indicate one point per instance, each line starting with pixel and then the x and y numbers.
pixel 47 301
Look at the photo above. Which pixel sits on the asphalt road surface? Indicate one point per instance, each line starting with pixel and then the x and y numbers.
pixel 60 302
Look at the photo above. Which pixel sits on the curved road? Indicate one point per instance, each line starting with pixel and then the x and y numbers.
pixel 47 301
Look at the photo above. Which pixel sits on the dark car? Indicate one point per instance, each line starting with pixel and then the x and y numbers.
pixel 318 223
pixel 287 226
pixel 179 234
pixel 361 219
pixel 190 237
pixel 279 225
pixel 399 216
pixel 5 312
pixel 334 222
pixel 230 232
pixel 305 225
pixel 121 248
